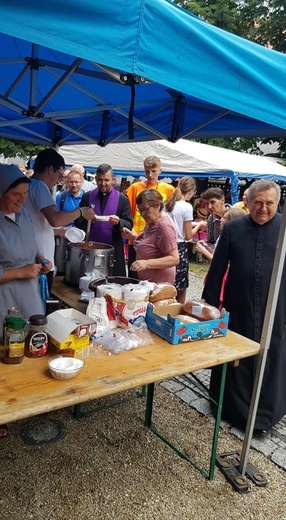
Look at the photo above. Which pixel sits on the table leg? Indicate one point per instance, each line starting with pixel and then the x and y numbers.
pixel 148 420
pixel 78 413
pixel 217 422
pixel 149 405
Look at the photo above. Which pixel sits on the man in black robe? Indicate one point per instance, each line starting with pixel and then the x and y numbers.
pixel 107 202
pixel 248 244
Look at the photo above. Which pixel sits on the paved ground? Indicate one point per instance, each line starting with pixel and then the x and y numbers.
pixel 274 447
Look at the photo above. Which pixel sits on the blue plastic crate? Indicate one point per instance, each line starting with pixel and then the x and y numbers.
pixel 175 332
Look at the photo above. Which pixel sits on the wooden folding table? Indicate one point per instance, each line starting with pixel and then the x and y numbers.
pixel 29 389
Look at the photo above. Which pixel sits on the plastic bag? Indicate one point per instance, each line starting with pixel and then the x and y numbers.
pixel 120 340
pixel 84 281
pixel 97 311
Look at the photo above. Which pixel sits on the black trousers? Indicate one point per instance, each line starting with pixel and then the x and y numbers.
pixel 131 259
pixel 50 277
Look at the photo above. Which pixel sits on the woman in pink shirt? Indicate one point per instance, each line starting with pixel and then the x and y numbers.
pixel 156 246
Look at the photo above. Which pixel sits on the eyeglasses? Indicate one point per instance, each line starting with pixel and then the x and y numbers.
pixel 57 170
pixel 144 210
pixel 60 173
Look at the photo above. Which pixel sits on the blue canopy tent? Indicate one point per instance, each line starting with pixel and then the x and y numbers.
pixel 89 71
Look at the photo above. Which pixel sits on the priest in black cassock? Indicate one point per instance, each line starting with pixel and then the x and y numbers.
pixel 114 206
pixel 247 245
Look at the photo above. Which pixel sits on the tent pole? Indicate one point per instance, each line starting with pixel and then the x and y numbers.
pixel 265 339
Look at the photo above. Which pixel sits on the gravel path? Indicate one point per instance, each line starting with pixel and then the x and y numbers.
pixel 109 466
pixel 195 286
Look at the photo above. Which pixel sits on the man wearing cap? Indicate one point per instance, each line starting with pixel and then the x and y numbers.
pixel 48 166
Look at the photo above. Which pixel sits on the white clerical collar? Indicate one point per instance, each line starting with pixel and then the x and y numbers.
pixel 12 216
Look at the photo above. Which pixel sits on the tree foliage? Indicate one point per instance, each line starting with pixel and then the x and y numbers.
pixel 22 149
pixel 221 13
pixel 263 22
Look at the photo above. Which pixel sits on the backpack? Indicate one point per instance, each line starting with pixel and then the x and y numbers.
pixel 62 199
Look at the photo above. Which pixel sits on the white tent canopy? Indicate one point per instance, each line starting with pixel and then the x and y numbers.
pixel 181 158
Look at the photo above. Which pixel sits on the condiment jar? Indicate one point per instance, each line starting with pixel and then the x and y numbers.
pixel 13 311
pixel 36 343
pixel 14 341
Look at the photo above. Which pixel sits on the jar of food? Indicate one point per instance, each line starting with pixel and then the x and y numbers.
pixel 13 311
pixel 14 341
pixel 36 343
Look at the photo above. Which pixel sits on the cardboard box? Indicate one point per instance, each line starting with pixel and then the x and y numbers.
pixel 68 328
pixel 81 353
pixel 161 321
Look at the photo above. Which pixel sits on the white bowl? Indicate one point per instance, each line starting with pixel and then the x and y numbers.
pixel 64 367
pixel 74 235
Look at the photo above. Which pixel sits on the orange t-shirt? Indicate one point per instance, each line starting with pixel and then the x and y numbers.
pixel 134 190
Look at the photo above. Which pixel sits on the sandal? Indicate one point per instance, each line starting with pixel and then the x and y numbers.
pixel 3 430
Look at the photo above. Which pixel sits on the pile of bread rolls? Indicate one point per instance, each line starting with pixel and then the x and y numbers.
pixel 194 310
pixel 163 294
pixel 198 310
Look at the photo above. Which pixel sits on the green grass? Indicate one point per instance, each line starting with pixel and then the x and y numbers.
pixel 195 267
pixel 200 268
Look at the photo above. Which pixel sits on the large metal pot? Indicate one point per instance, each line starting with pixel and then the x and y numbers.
pixel 85 257
pixel 61 244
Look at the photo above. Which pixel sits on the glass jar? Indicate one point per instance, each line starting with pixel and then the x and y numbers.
pixel 36 344
pixel 13 311
pixel 14 340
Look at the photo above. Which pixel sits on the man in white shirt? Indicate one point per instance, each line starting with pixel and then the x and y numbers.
pixel 48 167
pixel 86 185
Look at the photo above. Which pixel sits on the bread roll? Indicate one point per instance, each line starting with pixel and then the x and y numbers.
pixel 168 301
pixel 201 310
pixel 163 292
pixel 184 318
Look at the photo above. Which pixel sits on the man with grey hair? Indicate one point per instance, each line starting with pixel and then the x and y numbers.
pixel 247 246
pixel 86 185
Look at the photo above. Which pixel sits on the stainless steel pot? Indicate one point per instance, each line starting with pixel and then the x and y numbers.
pixel 61 244
pixel 84 257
